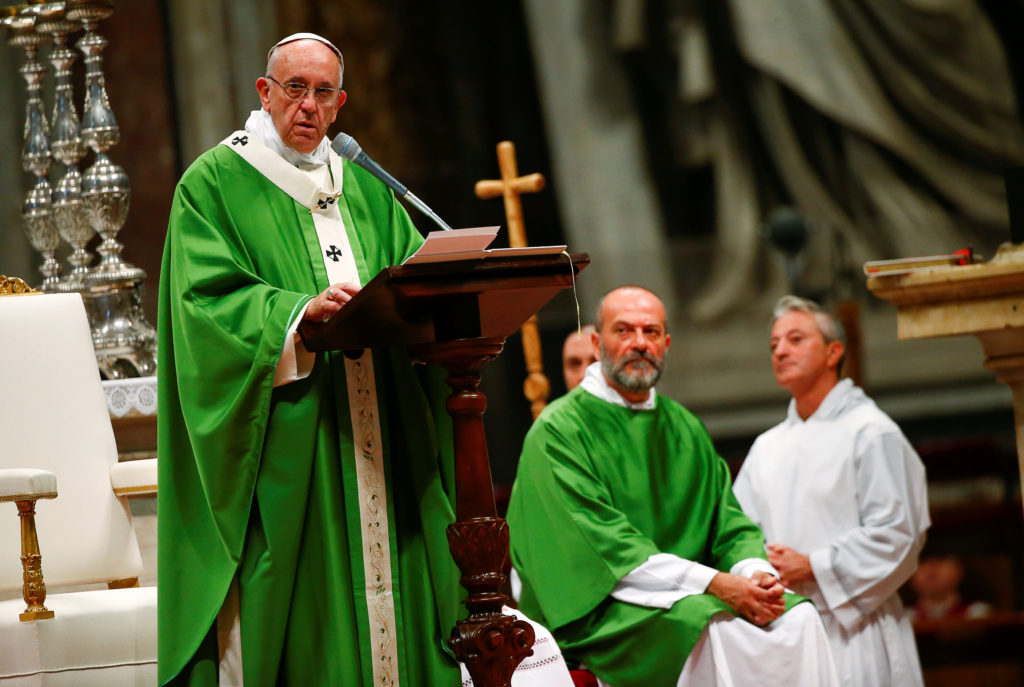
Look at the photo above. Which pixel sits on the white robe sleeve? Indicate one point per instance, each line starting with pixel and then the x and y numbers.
pixel 741 490
pixel 748 566
pixel 665 578
pixel 295 362
pixel 866 565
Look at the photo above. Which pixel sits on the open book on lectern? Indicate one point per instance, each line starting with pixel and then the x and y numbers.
pixel 470 244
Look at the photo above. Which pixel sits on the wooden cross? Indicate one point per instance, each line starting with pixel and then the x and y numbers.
pixel 536 387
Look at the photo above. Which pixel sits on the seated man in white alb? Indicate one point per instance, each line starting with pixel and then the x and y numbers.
pixel 630 544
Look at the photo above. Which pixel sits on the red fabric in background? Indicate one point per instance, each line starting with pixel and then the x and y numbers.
pixel 583 678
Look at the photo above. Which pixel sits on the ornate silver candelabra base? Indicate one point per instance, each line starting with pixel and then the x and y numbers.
pixel 125 342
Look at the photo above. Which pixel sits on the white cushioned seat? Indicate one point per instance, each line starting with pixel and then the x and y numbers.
pixel 97 638
pixel 27 482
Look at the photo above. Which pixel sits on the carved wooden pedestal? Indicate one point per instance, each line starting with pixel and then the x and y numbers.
pixel 489 643
pixel 457 315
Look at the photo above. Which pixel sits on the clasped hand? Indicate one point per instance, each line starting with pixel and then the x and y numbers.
pixel 323 307
pixel 793 566
pixel 758 599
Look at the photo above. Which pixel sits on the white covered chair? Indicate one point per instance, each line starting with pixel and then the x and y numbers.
pixel 56 435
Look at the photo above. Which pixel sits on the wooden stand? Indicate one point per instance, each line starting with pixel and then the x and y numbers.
pixel 457 315
pixel 536 387
pixel 986 300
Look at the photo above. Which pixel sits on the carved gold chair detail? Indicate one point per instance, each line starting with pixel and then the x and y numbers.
pixel 13 286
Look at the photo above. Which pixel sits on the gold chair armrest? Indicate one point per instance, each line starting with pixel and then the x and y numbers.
pixel 24 487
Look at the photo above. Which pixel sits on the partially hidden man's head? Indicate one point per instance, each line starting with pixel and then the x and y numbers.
pixel 631 340
pixel 807 345
pixel 577 355
pixel 302 89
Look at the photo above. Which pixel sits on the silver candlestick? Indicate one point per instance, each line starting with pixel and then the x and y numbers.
pixel 125 342
pixel 66 146
pixel 35 154
pixel 106 192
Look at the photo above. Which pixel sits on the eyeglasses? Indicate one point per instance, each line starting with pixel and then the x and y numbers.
pixel 297 92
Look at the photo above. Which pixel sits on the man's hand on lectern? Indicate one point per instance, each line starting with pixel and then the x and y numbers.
pixel 323 307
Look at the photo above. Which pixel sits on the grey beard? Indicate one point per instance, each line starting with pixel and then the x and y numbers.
pixel 632 381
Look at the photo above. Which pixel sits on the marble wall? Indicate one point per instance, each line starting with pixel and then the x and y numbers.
pixel 718 367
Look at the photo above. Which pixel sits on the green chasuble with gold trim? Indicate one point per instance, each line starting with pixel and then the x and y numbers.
pixel 261 484
pixel 599 489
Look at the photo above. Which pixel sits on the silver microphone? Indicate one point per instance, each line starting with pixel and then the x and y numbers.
pixel 345 146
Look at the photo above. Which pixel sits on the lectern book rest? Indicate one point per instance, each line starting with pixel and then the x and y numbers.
pixel 425 303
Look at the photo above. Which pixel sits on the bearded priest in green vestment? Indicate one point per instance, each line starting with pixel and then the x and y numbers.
pixel 303 498
pixel 629 542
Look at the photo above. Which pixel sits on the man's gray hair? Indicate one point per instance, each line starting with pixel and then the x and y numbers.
pixel 830 328
pixel 272 55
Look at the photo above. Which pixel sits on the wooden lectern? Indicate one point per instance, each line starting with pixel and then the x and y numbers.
pixel 457 315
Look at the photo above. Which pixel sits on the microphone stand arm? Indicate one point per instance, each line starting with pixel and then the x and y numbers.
pixel 422 207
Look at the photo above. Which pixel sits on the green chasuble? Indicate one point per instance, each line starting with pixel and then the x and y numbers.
pixel 600 488
pixel 260 484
